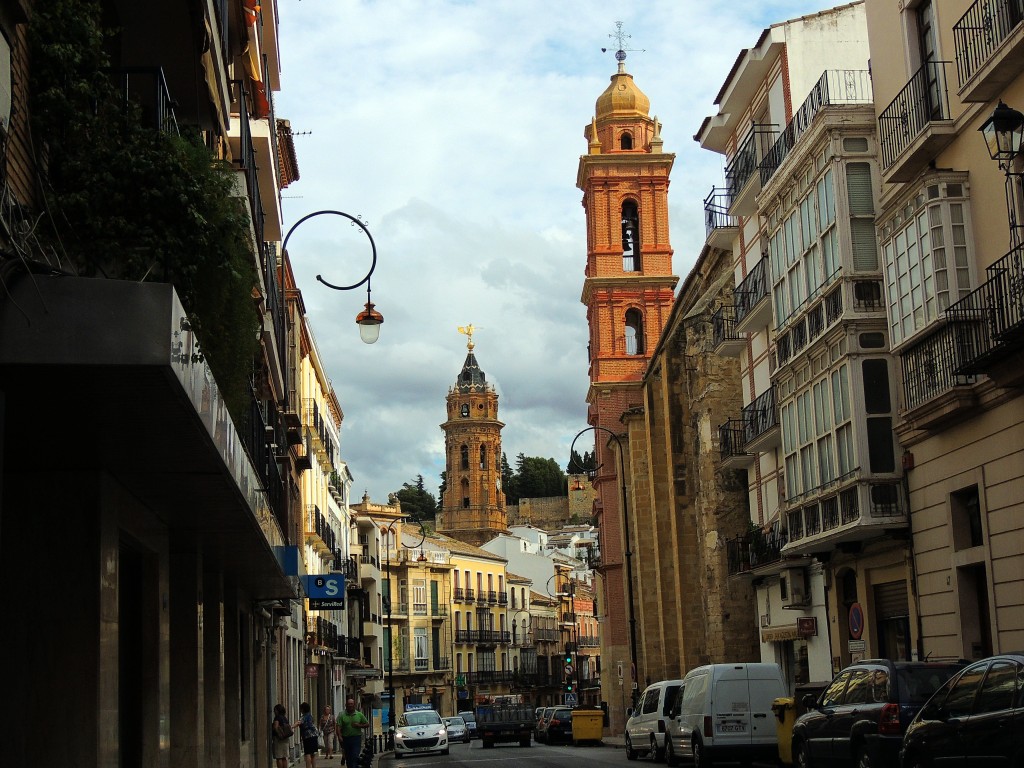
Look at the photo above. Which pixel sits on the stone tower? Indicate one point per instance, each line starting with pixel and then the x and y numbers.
pixel 473 502
pixel 628 291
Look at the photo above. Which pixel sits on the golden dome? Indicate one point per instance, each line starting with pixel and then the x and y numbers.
pixel 622 98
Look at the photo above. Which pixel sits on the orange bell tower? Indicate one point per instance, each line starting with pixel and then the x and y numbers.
pixel 628 290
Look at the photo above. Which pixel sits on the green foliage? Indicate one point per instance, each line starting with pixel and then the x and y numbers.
pixel 128 202
pixel 417 502
pixel 579 465
pixel 534 478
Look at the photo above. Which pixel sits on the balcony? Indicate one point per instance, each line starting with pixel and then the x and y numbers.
pixel 492 597
pixel 753 307
pixel 470 595
pixel 146 89
pixel 732 439
pixel 989 321
pixel 458 595
pixel 244 154
pixel 742 179
pixel 725 340
pixel 934 391
pixel 849 511
pixel 438 611
pixel 318 531
pixel 989 41
pixel 503 598
pixel 320 436
pixel 758 552
pixel 916 125
pixel 834 87
pixel 720 227
pixel 761 423
pixel 369 567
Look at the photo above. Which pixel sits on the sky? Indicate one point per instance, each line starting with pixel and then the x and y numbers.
pixel 453 129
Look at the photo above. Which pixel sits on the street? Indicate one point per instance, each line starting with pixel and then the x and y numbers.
pixel 537 756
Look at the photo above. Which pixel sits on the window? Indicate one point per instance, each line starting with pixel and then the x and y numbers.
pixel 626 140
pixel 862 217
pixel 421 648
pixel 833 695
pixel 634 332
pixel 465 410
pixel 926 253
pixel 960 700
pixel 859 689
pixel 464 457
pixel 483 457
pixel 998 690
pixel 630 237
pixel 965 506
pixel 419 597
pixel 817 436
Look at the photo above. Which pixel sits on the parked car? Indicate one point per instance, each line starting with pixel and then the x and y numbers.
pixel 647 724
pixel 470 717
pixel 558 728
pixel 976 718
pixel 861 717
pixel 420 731
pixel 724 712
pixel 542 724
pixel 457 730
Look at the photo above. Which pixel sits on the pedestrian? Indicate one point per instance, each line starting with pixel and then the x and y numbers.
pixel 327 727
pixel 308 734
pixel 282 735
pixel 352 723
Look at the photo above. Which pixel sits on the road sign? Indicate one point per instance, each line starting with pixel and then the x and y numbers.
pixel 856 621
pixel 568 670
pixel 570 699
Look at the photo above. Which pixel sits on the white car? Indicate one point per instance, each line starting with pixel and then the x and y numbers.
pixel 457 730
pixel 420 731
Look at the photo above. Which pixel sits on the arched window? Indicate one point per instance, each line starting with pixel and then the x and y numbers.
pixel 626 140
pixel 483 457
pixel 465 494
pixel 630 237
pixel 465 457
pixel 634 332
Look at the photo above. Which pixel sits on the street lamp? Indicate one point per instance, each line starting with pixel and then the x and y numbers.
pixel 388 531
pixel 369 320
pixel 1004 137
pixel 629 551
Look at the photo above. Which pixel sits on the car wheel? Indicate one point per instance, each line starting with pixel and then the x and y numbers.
pixel 399 755
pixel 630 752
pixel 447 750
pixel 700 755
pixel 801 759
pixel 864 760
pixel 658 755
pixel 670 752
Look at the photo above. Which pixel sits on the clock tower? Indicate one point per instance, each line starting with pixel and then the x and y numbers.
pixel 473 502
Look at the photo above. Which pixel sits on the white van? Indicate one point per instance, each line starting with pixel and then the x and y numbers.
pixel 724 711
pixel 648 724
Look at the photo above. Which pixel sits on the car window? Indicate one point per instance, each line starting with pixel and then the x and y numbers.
pixel 997 692
pixel 695 687
pixel 670 698
pixel 960 699
pixel 833 695
pixel 563 714
pixel 918 684
pixel 650 703
pixel 422 718
pixel 858 689
pixel 458 722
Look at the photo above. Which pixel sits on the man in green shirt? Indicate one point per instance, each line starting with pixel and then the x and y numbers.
pixel 351 723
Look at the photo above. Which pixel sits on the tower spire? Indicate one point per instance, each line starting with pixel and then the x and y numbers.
pixel 620 54
pixel 468 331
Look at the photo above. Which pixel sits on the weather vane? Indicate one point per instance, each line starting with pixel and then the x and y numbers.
pixel 468 331
pixel 621 37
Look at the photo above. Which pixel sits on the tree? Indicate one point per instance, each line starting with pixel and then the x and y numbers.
pixel 536 478
pixel 418 503
pixel 579 465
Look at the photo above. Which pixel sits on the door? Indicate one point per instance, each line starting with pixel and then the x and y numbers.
pixel 763 691
pixel 730 708
pixel 817 724
pixel 945 743
pixel 858 703
pixel 992 733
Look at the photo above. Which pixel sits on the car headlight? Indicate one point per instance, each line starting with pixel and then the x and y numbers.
pixel 400 736
pixel 441 731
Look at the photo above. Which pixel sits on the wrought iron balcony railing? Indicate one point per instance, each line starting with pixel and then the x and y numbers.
pixel 761 415
pixel 755 549
pixel 146 89
pixel 247 163
pixel 732 437
pixel 716 211
pixel 723 325
pixel 931 367
pixel 981 30
pixel 989 321
pixel 743 165
pixel 753 290
pixel 923 100
pixel 834 87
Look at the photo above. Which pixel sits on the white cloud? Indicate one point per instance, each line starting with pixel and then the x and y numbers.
pixel 455 129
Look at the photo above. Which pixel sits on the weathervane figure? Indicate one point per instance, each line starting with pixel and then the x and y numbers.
pixel 621 37
pixel 468 331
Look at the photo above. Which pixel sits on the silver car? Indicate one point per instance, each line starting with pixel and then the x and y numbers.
pixel 457 730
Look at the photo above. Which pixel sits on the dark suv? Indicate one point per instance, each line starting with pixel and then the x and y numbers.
pixel 861 717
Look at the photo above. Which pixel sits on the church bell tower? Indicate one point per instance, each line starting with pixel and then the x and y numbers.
pixel 473 502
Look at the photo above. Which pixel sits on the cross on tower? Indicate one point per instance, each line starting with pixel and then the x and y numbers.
pixel 621 37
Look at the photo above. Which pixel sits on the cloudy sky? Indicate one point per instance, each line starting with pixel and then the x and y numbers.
pixel 454 129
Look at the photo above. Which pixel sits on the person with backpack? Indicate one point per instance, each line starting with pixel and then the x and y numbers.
pixel 282 730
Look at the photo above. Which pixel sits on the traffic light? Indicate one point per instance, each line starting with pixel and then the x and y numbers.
pixel 569 686
pixel 568 658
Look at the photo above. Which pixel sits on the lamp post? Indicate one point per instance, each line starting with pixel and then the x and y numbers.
pixel 628 552
pixel 1004 137
pixel 369 320
pixel 389 531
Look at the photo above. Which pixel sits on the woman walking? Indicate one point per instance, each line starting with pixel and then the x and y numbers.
pixel 327 727
pixel 308 734
pixel 282 735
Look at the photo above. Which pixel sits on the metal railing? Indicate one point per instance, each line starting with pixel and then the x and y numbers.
pixel 723 325
pixel 732 437
pixel 716 211
pixel 981 30
pixel 760 415
pixel 247 162
pixel 146 88
pixel 834 87
pixel 923 100
pixel 744 163
pixel 753 290
pixel 930 368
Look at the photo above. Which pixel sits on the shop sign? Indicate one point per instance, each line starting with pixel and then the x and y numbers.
pixel 854 646
pixel 312 670
pixel 780 634
pixel 807 626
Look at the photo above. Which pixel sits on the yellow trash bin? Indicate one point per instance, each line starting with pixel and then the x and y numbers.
pixel 587 725
pixel 785 713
